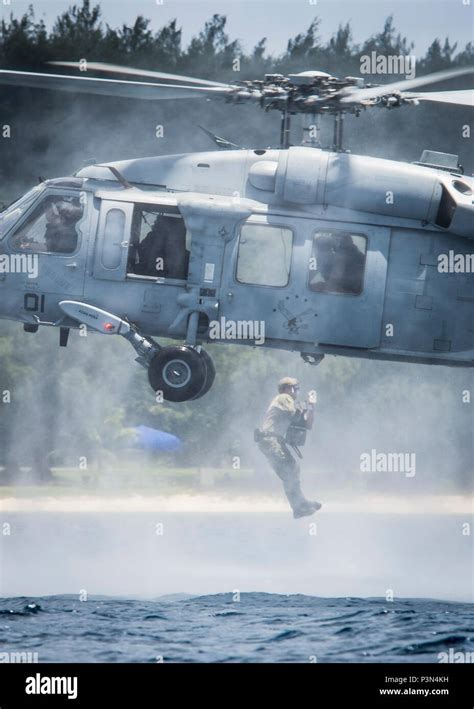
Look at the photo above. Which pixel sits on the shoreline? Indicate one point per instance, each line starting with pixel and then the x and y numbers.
pixel 219 502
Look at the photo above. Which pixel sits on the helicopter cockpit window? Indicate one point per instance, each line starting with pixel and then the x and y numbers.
pixel 337 263
pixel 160 244
pixel 15 211
pixel 264 257
pixel 52 226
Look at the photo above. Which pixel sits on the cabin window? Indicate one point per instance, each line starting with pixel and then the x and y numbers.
pixel 160 245
pixel 114 236
pixel 337 262
pixel 51 227
pixel 264 256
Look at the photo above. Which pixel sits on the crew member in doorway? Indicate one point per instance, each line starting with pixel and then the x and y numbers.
pixel 162 253
pixel 340 264
pixel 284 425
pixel 348 269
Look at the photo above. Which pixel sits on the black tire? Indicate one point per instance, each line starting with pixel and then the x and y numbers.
pixel 211 374
pixel 179 372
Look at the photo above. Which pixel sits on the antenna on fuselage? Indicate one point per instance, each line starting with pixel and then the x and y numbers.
pixel 123 181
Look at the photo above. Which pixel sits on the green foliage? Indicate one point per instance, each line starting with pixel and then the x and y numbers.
pixel 441 56
pixel 80 32
pixel 388 41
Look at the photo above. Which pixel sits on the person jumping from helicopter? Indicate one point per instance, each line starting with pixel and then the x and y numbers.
pixel 285 424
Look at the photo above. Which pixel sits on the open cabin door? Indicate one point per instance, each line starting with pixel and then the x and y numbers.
pixel 145 239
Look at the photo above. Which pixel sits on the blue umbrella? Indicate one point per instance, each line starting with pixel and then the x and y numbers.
pixel 152 440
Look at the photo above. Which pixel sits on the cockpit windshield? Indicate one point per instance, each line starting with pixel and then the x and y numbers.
pixel 51 225
pixel 12 213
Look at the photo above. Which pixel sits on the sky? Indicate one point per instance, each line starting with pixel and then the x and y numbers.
pixel 250 20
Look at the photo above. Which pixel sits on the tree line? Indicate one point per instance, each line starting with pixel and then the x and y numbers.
pixel 27 44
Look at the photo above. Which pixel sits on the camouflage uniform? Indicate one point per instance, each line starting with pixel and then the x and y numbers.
pixel 274 427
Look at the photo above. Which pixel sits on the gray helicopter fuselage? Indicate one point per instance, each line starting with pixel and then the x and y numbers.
pixel 270 235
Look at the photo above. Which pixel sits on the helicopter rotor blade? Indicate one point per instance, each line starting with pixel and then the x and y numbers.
pixel 161 75
pixel 348 96
pixel 462 98
pixel 108 87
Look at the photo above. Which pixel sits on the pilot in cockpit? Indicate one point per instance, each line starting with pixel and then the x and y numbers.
pixel 60 234
pixel 53 229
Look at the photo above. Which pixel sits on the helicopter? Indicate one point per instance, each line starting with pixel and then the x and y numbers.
pixel 304 248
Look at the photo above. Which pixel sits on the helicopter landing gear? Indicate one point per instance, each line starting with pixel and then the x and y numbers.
pixel 181 373
pixel 211 373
